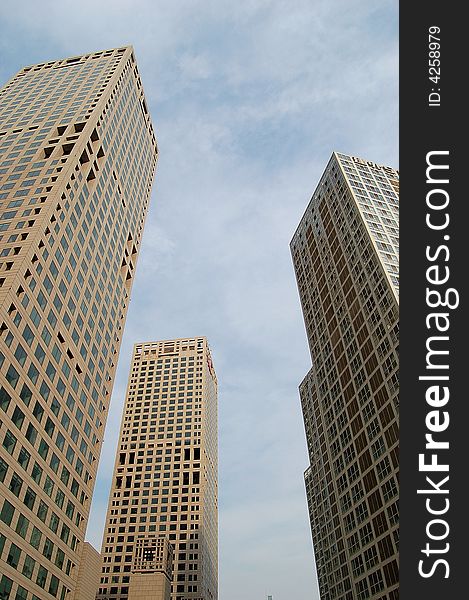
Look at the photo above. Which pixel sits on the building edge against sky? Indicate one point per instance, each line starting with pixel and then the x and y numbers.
pixel 345 255
pixel 165 481
pixel 78 156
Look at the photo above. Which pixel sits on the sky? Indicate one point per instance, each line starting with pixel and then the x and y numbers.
pixel 248 100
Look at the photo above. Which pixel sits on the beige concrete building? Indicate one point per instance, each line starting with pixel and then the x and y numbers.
pixel 345 254
pixel 89 570
pixel 152 569
pixel 77 160
pixel 165 475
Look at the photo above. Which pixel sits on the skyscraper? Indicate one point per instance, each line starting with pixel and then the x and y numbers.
pixel 78 156
pixel 165 475
pixel 345 254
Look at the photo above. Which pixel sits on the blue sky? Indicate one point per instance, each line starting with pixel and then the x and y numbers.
pixel 248 101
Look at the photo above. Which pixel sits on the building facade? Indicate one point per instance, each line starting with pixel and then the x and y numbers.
pixel 345 255
pixel 89 570
pixel 165 475
pixel 77 161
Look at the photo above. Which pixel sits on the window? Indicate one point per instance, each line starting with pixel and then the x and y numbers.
pixel 21 593
pixel 20 354
pixel 38 411
pixel 28 567
pixel 383 468
pixel 5 587
pixel 49 427
pixel 361 512
pixel 41 576
pixel 12 376
pixel 48 486
pixel 33 373
pixel 59 498
pixel 60 441
pixel 53 585
pixel 9 442
pixel 376 582
pixel 48 548
pixel 13 556
pixel 29 498
pixel 8 510
pixel 16 483
pixel 18 417
pixel 389 489
pixel 28 335
pixel 31 434
pixel 43 449
pixel 65 475
pixel 22 526
pixel 59 558
pixel 357 566
pixel 36 536
pixel 371 557
pixel 23 458
pixel 5 399
pixel 362 589
pixel 366 534
pixel 3 469
pixel 54 462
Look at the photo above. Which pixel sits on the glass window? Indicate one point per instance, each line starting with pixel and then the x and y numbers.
pixel 38 411
pixel 70 509
pixel 65 475
pixel 21 593
pixel 5 399
pixel 9 442
pixel 16 483
pixel 36 536
pixel 8 510
pixel 22 526
pixel 43 449
pixel 46 336
pixel 26 394
pixel 59 498
pixel 12 376
pixel 28 567
pixel 20 354
pixel 44 390
pixel 13 556
pixel 48 548
pixel 5 587
pixel 36 473
pixel 31 434
pixel 41 576
pixel 29 498
pixel 59 558
pixel 48 486
pixel 54 522
pixel 55 406
pixel 60 441
pixel 49 427
pixel 53 585
pixel 65 533
pixel 54 462
pixel 18 417
pixel 33 373
pixel 3 469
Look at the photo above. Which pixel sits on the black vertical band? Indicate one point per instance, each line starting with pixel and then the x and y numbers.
pixel 434 266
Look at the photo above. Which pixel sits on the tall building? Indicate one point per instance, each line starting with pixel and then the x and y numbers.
pixel 345 254
pixel 77 160
pixel 165 475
